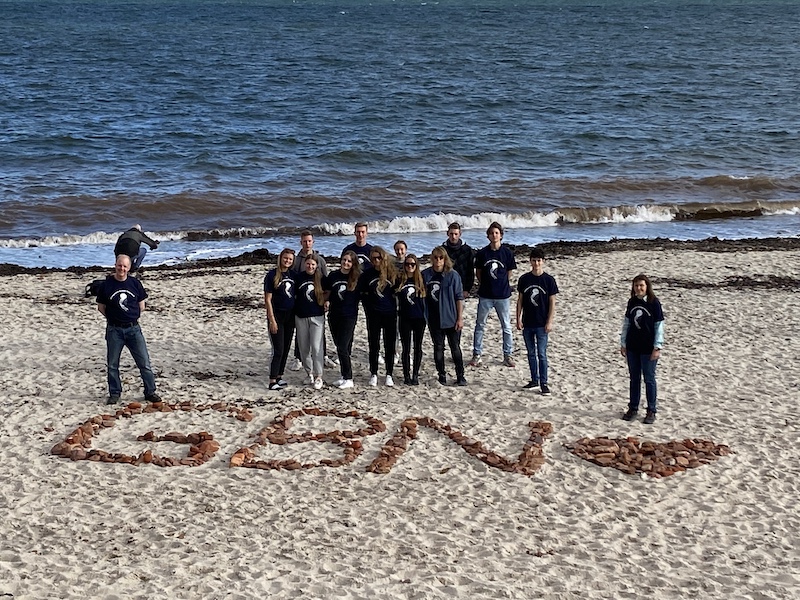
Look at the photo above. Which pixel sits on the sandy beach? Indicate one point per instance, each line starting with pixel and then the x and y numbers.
pixel 441 523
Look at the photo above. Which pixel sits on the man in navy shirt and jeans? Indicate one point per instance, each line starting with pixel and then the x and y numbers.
pixel 121 302
pixel 493 266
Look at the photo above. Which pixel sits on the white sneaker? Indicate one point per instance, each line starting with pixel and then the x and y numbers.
pixel 389 381
pixel 318 383
pixel 338 382
pixel 329 363
pixel 381 360
pixel 373 381
pixel 296 365
pixel 309 380
pixel 346 384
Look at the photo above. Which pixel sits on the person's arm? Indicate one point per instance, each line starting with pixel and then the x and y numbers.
pixel 141 307
pixel 551 313
pixel 519 309
pixel 149 241
pixel 273 324
pixel 623 336
pixel 101 308
pixel 459 315
pixel 658 343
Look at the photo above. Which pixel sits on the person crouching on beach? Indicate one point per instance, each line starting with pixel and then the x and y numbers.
pixel 640 342
pixel 380 306
pixel 279 300
pixel 536 309
pixel 130 244
pixel 309 320
pixel 341 287
pixel 445 297
pixel 121 302
pixel 412 316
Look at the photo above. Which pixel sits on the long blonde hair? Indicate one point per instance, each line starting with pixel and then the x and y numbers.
pixel 355 270
pixel 278 273
pixel 387 274
pixel 416 278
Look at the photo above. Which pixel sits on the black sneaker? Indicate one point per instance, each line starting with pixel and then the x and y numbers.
pixel 443 379
pixel 113 399
pixel 530 385
pixel 649 418
pixel 461 381
pixel 630 415
pixel 153 397
pixel 545 390
pixel 414 381
pixel 275 386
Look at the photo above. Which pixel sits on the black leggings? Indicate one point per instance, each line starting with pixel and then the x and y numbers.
pixel 281 342
pixel 378 323
pixel 411 328
pixel 342 329
pixel 454 341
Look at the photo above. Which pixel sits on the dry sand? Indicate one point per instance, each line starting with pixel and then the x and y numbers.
pixel 440 524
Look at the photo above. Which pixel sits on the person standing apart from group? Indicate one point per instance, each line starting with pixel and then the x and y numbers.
pixel 360 246
pixel 493 266
pixel 640 342
pixel 307 249
pixel 536 309
pixel 462 256
pixel 343 295
pixel 380 306
pixel 121 301
pixel 445 299
pixel 279 297
pixel 130 244
pixel 412 315
pixel 309 320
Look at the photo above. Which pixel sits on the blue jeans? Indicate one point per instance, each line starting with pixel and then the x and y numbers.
pixel 139 258
pixel 118 338
pixel 502 306
pixel 640 365
pixel 536 344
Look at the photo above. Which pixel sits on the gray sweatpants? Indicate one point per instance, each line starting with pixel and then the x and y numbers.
pixel 311 343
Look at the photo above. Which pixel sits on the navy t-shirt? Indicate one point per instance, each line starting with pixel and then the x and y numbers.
pixel 375 300
pixel 642 318
pixel 494 266
pixel 283 293
pixel 121 299
pixel 409 302
pixel 344 303
pixel 305 302
pixel 536 291
pixel 433 288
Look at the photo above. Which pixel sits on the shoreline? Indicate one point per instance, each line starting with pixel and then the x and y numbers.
pixel 552 250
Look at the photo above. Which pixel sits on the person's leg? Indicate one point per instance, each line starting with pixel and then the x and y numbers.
pixel 373 342
pixel 134 340
pixel 276 339
pixel 484 306
pixel 344 346
pixel 303 341
pixel 635 369
pixel 389 328
pixel 139 258
pixel 454 341
pixel 541 353
pixel 316 331
pixel 404 325
pixel 115 342
pixel 437 337
pixel 529 335
pixel 288 336
pixel 503 309
pixel 650 390
pixel 418 330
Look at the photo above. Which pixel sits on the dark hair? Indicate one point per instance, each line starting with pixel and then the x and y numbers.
pixel 355 269
pixel 305 233
pixel 495 225
pixel 537 253
pixel 360 224
pixel 651 296
pixel 454 225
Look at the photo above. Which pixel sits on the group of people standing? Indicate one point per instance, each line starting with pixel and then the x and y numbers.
pixel 397 297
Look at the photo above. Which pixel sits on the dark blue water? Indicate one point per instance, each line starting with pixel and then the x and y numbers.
pixel 254 120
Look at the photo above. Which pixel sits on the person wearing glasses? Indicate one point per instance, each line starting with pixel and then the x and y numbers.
pixel 445 299
pixel 279 302
pixel 380 307
pixel 412 316
pixel 343 297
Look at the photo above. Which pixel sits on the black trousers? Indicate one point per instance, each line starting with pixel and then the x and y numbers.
pixel 342 329
pixel 411 331
pixel 281 342
pixel 377 324
pixel 454 341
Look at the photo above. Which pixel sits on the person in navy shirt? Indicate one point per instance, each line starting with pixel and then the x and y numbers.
pixel 341 287
pixel 493 266
pixel 121 301
pixel 536 309
pixel 309 320
pixel 412 316
pixel 380 307
pixel 279 295
pixel 360 246
pixel 640 342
